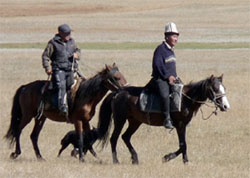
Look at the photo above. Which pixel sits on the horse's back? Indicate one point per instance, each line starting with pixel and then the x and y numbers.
pixel 35 84
pixel 30 95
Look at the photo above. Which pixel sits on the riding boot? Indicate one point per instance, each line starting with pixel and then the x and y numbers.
pixel 167 119
pixel 168 122
pixel 63 110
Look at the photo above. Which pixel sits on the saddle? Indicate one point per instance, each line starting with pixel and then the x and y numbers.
pixel 150 101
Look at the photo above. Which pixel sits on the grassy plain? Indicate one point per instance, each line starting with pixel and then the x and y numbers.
pixel 217 148
pixel 133 45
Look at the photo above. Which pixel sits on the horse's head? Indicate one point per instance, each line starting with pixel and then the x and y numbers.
pixel 217 92
pixel 114 79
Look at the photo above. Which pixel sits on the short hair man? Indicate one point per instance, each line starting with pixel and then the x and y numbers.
pixel 58 59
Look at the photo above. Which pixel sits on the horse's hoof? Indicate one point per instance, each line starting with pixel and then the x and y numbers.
pixel 100 161
pixel 14 155
pixel 81 160
pixel 135 162
pixel 185 161
pixel 74 153
pixel 41 159
pixel 168 157
pixel 134 159
pixel 116 162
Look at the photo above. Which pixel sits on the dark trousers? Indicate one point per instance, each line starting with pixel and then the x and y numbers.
pixel 162 87
pixel 62 81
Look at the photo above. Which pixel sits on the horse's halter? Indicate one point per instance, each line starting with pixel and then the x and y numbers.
pixel 215 96
pixel 111 80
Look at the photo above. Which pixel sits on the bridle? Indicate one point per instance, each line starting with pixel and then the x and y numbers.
pixel 214 99
pixel 216 96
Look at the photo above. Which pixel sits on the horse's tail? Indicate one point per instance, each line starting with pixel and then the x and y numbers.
pixel 105 116
pixel 16 115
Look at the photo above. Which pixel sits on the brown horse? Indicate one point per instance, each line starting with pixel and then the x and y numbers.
pixel 90 92
pixel 124 106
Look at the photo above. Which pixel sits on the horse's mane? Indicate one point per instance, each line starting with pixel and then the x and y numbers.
pixel 196 91
pixel 89 88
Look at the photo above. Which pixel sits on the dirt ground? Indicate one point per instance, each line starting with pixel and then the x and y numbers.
pixel 217 148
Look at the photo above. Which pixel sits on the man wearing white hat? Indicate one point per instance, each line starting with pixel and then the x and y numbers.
pixel 164 69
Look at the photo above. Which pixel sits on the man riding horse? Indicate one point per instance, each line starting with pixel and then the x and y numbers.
pixel 63 54
pixel 164 69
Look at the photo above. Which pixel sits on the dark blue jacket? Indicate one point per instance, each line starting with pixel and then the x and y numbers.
pixel 164 62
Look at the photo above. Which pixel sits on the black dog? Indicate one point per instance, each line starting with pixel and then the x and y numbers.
pixel 89 139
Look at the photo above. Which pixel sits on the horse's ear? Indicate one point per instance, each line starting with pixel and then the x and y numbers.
pixel 114 64
pixel 220 77
pixel 107 67
pixel 211 77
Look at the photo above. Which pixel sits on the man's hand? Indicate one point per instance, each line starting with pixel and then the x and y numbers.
pixel 75 56
pixel 171 79
pixel 49 71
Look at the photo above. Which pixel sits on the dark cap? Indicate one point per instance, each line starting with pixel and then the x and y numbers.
pixel 64 28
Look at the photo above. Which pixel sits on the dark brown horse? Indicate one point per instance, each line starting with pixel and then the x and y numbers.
pixel 124 106
pixel 90 92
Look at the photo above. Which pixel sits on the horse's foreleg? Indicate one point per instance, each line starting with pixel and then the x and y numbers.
pixel 79 131
pixel 133 126
pixel 35 134
pixel 182 143
pixel 181 131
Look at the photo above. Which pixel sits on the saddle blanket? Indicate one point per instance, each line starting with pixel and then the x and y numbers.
pixel 151 102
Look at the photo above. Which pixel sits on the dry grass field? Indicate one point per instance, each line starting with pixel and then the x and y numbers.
pixel 217 148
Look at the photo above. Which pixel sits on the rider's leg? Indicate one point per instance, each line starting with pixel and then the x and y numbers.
pixel 163 88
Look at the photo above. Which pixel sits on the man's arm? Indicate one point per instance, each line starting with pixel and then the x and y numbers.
pixel 77 52
pixel 46 58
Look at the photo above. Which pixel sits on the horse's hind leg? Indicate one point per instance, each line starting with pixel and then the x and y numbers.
pixel 17 152
pixel 35 134
pixel 24 121
pixel 133 126
pixel 113 140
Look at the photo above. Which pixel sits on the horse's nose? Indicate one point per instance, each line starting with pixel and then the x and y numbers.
pixel 225 107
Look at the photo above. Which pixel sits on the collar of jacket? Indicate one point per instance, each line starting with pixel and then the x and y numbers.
pixel 58 38
pixel 168 46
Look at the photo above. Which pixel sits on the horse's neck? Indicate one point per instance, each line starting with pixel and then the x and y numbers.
pixel 91 91
pixel 196 91
pixel 100 95
pixel 195 96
